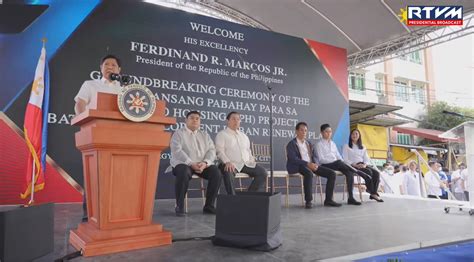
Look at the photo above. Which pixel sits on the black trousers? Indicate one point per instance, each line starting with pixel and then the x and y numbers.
pixel 258 173
pixel 84 205
pixel 371 177
pixel 307 173
pixel 347 171
pixel 184 173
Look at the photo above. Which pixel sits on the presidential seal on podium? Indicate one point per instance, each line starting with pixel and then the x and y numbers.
pixel 136 102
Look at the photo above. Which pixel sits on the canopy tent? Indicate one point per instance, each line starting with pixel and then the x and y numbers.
pixel 370 30
pixel 430 134
pixel 373 114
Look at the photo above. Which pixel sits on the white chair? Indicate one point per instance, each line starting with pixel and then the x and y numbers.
pixel 287 185
pixel 169 170
pixel 258 151
pixel 239 177
pixel 200 188
pixel 357 184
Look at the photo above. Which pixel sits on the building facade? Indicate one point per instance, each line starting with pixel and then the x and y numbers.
pixel 406 81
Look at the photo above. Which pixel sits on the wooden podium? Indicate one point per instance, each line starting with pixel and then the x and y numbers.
pixel 120 160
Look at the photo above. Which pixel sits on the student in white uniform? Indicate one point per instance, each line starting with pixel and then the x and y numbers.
pixel 411 181
pixel 433 181
pixel 389 180
pixel 458 182
pixel 465 178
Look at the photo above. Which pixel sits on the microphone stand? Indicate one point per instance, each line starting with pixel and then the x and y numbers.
pixel 271 130
pixel 271 138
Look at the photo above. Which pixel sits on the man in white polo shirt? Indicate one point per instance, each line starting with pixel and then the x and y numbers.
pixel 110 64
pixel 233 150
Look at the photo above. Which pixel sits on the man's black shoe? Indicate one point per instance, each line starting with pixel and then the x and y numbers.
pixel 209 210
pixel 354 202
pixel 376 198
pixel 331 203
pixel 179 211
pixel 84 219
pixel 308 205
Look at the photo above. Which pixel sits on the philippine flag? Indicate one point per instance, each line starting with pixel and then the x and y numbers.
pixel 36 128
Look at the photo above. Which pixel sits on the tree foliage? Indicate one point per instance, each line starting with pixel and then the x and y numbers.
pixel 436 119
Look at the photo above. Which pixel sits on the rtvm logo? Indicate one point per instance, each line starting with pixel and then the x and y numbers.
pixel 432 15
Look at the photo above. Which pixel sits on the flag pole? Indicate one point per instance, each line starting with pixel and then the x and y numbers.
pixel 32 184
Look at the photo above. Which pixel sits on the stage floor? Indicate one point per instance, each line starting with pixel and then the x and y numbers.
pixel 308 235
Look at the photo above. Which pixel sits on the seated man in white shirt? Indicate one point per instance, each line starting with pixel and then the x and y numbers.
pixel 329 157
pixel 233 150
pixel 433 181
pixel 193 152
pixel 110 64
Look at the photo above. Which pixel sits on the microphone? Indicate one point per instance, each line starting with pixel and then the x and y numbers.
pixel 114 76
pixel 123 79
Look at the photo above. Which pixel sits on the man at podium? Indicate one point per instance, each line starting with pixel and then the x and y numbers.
pixel 109 64
pixel 193 152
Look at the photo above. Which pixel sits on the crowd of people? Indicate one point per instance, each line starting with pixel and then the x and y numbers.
pixel 437 182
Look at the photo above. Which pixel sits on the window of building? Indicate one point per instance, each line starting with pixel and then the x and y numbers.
pixel 415 57
pixel 419 95
pixel 401 91
pixel 357 82
pixel 403 139
pixel 379 89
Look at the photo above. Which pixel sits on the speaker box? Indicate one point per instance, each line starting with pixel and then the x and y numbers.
pixel 248 220
pixel 26 233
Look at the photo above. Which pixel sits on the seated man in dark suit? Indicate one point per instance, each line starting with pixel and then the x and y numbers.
pixel 302 158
